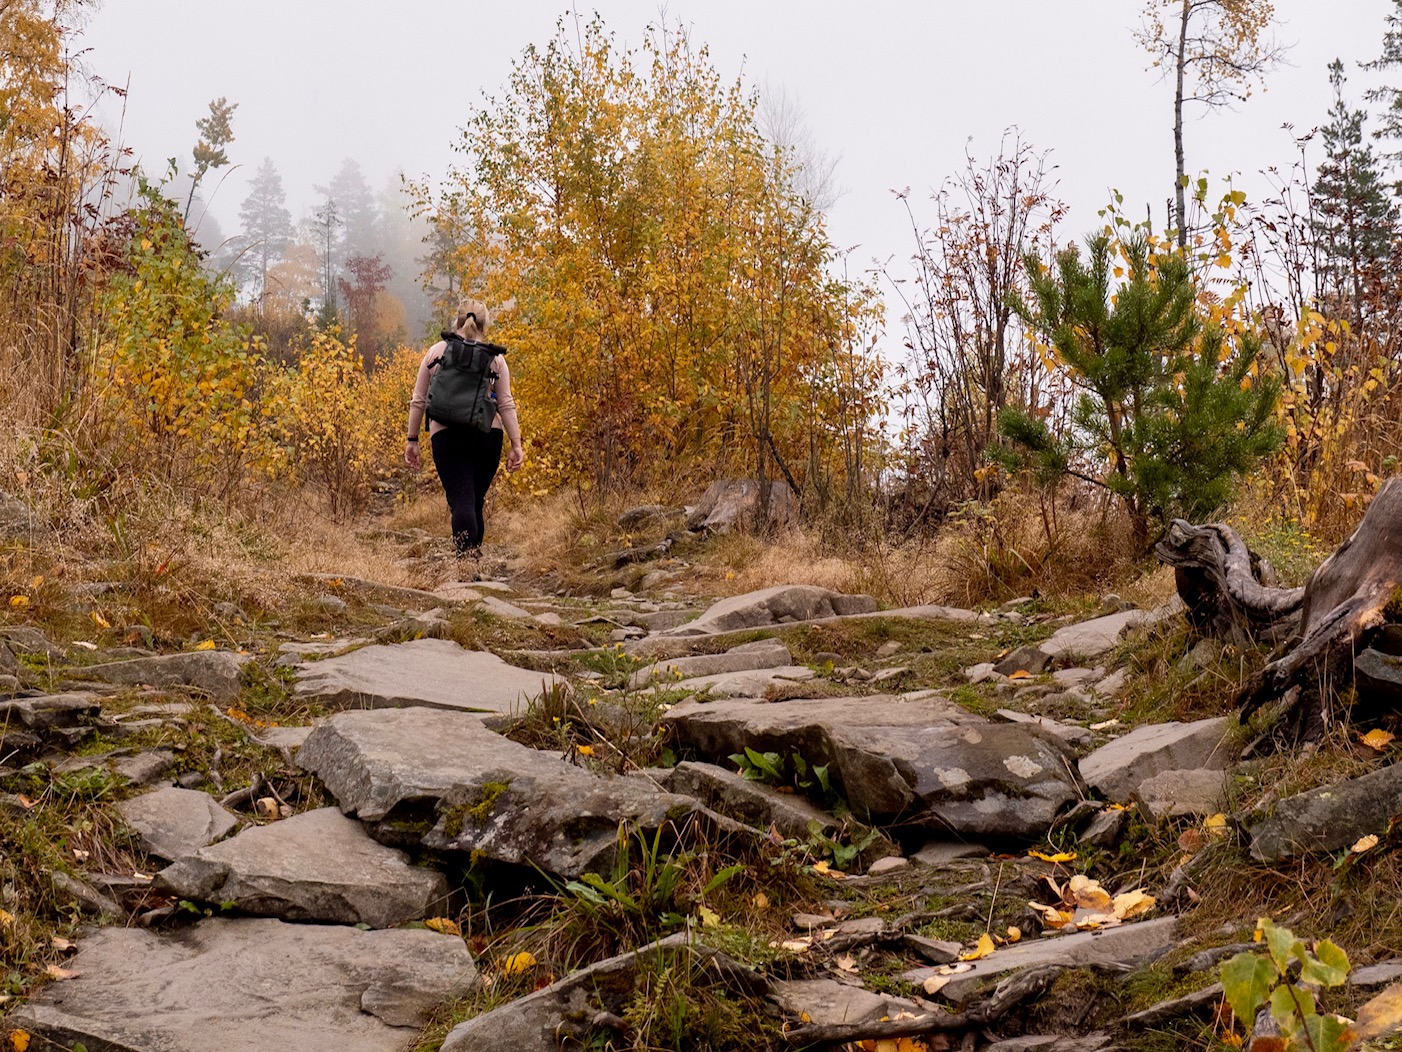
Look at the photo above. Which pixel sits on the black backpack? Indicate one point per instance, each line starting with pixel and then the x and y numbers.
pixel 460 394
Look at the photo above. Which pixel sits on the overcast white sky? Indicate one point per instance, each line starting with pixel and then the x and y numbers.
pixel 895 87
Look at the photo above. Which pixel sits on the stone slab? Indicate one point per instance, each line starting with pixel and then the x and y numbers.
pixel 751 684
pixel 1123 944
pixel 218 673
pixel 927 762
pixel 778 605
pixel 250 985
pixel 768 653
pixel 315 866
pixel 1118 768
pixel 442 780
pixel 1183 794
pixel 1330 817
pixel 745 801
pixel 829 1002
pixel 436 673
pixel 173 823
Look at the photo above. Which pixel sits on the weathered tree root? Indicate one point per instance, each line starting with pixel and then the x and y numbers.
pixel 1345 601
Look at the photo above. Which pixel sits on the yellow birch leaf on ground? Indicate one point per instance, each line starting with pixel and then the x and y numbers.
pixel 1060 856
pixel 518 963
pixel 19 1040
pixel 7 919
pixel 1364 843
pixel 53 971
pixel 60 943
pixel 1215 824
pixel 207 644
pixel 100 621
pixel 1380 1016
pixel 1014 933
pixel 443 925
pixel 847 963
pixel 1087 894
pixel 1376 740
pixel 709 917
pixel 584 750
pixel 935 983
pixel 761 901
pixel 19 600
pixel 982 950
pixel 1021 673
pixel 822 868
pixel 1132 903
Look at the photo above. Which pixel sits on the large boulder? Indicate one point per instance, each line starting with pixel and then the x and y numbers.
pixel 218 673
pixel 734 504
pixel 779 605
pixel 436 673
pixel 173 823
pixel 317 866
pixel 923 761
pixel 441 779
pixel 249 985
pixel 1330 817
pixel 1118 768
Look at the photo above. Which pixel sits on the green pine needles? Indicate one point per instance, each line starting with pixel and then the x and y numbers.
pixel 1171 412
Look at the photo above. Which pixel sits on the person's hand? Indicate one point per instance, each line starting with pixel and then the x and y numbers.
pixel 411 454
pixel 515 458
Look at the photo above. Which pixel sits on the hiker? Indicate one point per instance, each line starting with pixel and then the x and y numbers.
pixel 464 391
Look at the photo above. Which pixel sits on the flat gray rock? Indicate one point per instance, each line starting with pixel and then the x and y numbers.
pixel 316 866
pixel 48 711
pixel 767 653
pixel 436 673
pixel 750 684
pixel 778 605
pixel 1124 944
pixel 1183 794
pixel 173 823
pixel 218 673
pixel 501 608
pixel 1119 767
pixel 1330 817
pixel 441 779
pixel 927 762
pixel 753 803
pixel 827 1001
pixel 1089 639
pixel 250 985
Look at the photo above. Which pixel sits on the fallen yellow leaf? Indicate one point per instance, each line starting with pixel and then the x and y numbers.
pixel 19 1040
pixel 205 644
pixel 1376 739
pixel 19 600
pixel 53 971
pixel 847 962
pixel 1021 673
pixel 518 963
pixel 980 951
pixel 443 925
pixel 1364 843
pixel 7 919
pixel 584 750
pixel 1014 933
pixel 100 621
pixel 761 901
pixel 1215 824
pixel 1132 903
pixel 709 917
pixel 1060 856
pixel 822 868
pixel 1380 1016
pixel 60 943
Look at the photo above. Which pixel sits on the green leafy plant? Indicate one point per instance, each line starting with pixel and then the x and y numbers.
pixel 1289 979
pixel 770 768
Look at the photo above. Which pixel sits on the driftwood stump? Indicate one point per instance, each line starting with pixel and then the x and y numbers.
pixel 1320 628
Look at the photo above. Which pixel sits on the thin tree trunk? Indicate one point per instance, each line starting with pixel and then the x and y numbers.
pixel 1180 203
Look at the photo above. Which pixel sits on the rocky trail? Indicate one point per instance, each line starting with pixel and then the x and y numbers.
pixel 862 825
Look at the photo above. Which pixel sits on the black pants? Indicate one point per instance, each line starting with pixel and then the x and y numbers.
pixel 467 461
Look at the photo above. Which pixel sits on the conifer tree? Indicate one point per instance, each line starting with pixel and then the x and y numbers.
pixel 267 225
pixel 1354 220
pixel 1170 413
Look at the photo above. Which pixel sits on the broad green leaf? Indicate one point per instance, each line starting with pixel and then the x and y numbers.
pixel 1282 944
pixel 1328 1033
pixel 1246 981
pixel 720 878
pixel 1328 966
pixel 1290 1006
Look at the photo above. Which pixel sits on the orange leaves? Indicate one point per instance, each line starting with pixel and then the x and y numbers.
pixel 1084 904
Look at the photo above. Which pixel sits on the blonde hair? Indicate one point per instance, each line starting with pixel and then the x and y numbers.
pixel 472 318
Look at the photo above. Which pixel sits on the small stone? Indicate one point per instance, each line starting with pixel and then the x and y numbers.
pixel 861 926
pixel 939 853
pixel 620 593
pixel 1024 659
pixel 145 768
pixel 1106 828
pixel 1112 684
pixel 892 864
pixel 826 657
pixel 809 921
pixel 886 649
pixel 87 898
pixel 331 604
pixel 981 672
pixel 886 675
